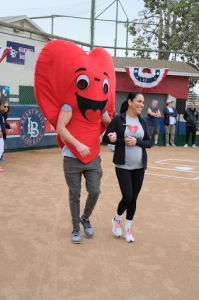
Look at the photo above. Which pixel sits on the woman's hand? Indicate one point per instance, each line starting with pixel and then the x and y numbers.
pixel 112 137
pixel 82 149
pixel 130 141
pixel 13 126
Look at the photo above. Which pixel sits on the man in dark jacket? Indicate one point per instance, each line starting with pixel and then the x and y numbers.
pixel 191 117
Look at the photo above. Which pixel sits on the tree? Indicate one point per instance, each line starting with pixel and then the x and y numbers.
pixel 169 25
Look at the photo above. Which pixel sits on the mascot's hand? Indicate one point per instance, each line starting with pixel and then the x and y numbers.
pixel 82 149
pixel 112 137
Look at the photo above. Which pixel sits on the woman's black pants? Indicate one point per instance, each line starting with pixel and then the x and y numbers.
pixel 130 182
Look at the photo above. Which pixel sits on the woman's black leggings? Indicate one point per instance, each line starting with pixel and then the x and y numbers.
pixel 130 182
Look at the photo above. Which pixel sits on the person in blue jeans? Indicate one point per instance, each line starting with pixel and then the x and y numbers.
pixel 153 114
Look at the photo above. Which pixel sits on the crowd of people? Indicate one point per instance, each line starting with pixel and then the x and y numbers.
pixel 170 115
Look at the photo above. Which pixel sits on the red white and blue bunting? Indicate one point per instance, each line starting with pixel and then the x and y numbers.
pixel 145 79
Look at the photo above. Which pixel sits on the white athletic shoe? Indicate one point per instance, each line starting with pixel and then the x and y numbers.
pixel 117 227
pixel 167 145
pixel 173 145
pixel 186 145
pixel 128 236
pixel 194 146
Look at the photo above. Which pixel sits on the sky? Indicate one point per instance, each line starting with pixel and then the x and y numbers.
pixel 77 29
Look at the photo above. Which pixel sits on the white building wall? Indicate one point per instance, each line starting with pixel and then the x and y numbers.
pixel 11 74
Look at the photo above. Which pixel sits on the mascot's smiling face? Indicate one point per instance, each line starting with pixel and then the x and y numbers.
pixel 91 110
pixel 66 74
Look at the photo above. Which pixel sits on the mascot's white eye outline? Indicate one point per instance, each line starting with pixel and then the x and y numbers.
pixel 82 82
pixel 105 83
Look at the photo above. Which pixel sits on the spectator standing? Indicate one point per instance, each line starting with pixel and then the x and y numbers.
pixel 191 117
pixel 170 114
pixel 1 134
pixel 3 130
pixel 153 114
pixel 5 111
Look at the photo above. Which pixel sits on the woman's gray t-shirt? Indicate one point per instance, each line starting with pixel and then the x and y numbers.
pixel 133 154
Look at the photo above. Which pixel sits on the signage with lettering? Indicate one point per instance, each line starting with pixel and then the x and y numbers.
pixel 17 53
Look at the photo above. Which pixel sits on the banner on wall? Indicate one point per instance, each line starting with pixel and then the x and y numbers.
pixel 17 53
pixel 33 130
pixel 145 79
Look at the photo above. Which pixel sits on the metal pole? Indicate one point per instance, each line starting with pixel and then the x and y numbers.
pixel 127 33
pixel 115 51
pixel 105 9
pixel 92 23
pixel 52 25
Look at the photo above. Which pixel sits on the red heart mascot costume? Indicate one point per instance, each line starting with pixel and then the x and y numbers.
pixel 76 93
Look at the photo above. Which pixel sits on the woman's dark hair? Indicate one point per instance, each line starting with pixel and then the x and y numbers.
pixel 131 96
pixel 8 112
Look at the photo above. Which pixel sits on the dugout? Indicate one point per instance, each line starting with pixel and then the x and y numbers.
pixel 175 86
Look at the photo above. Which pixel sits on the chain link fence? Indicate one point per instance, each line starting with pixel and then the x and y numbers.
pixel 17 69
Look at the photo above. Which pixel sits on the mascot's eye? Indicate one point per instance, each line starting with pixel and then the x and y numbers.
pixel 105 86
pixel 82 82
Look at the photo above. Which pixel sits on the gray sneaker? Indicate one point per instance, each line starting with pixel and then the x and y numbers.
pixel 88 230
pixel 2 160
pixel 167 145
pixel 173 145
pixel 194 146
pixel 76 238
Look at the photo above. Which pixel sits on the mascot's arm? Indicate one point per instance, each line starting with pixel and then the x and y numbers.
pixel 105 121
pixel 63 120
pixel 112 135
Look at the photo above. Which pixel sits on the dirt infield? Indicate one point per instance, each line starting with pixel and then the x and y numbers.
pixel 39 262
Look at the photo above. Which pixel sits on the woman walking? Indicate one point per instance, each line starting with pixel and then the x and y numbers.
pixel 130 158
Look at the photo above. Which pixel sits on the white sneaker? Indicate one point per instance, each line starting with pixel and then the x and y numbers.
pixel 128 236
pixel 173 145
pixel 117 227
pixel 167 145
pixel 186 145
pixel 194 146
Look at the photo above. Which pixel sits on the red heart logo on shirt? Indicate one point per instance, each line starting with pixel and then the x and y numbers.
pixel 93 116
pixel 133 129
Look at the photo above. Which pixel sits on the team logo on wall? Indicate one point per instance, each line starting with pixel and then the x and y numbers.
pixel 32 126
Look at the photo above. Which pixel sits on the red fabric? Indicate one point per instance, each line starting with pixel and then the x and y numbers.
pixel 3 52
pixel 55 84
pixel 147 70
pixel 176 86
